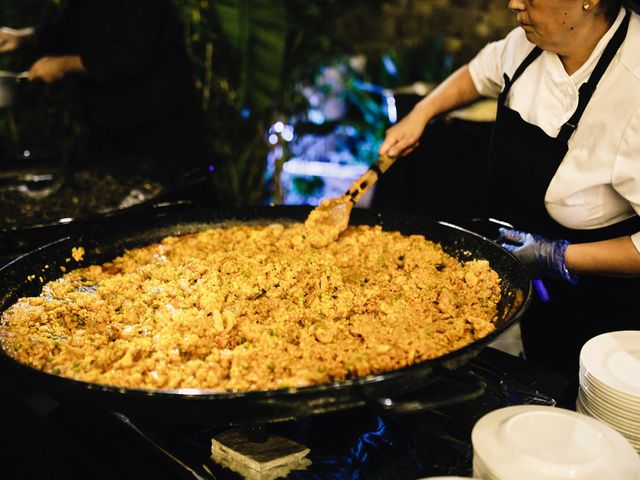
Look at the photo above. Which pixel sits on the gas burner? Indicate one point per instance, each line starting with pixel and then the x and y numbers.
pixel 366 442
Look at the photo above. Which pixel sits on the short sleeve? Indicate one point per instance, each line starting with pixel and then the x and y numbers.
pixel 635 238
pixel 488 67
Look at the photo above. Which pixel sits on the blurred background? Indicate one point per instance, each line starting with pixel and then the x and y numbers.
pixel 296 96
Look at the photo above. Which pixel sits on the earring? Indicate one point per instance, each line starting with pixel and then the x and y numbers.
pixel 586 6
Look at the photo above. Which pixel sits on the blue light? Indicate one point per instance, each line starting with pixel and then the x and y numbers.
pixel 287 134
pixel 211 168
pixel 245 112
pixel 350 130
pixel 392 111
pixel 389 66
pixel 448 62
pixel 371 440
pixel 316 116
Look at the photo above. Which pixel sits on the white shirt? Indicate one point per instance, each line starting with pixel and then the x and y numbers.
pixel 598 181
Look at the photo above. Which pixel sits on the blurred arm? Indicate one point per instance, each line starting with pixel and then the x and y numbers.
pixel 12 38
pixel 52 69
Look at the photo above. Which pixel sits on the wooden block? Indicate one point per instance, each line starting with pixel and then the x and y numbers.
pixel 268 460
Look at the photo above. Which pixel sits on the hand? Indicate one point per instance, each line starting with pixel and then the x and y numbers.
pixel 403 138
pixel 11 39
pixel 539 254
pixel 52 69
pixel 47 69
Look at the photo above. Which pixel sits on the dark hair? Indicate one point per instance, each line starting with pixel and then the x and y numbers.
pixel 610 8
pixel 632 4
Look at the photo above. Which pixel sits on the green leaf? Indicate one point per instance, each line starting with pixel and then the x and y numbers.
pixel 256 32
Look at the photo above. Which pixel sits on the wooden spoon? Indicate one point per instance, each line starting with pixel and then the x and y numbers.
pixel 328 220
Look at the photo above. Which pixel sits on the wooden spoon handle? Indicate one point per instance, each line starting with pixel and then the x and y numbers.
pixel 368 178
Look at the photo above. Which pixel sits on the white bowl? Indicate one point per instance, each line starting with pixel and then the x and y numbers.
pixel 539 442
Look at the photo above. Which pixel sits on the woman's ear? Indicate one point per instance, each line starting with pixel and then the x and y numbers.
pixel 589 5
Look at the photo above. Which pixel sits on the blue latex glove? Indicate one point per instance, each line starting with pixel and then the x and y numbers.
pixel 541 255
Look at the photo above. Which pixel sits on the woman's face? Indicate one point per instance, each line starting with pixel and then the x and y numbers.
pixel 551 24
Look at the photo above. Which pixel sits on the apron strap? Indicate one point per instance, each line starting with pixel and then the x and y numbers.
pixel 587 88
pixel 535 53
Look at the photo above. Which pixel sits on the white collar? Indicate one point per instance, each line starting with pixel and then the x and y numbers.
pixel 582 74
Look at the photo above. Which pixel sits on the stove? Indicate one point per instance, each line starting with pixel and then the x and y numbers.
pixel 195 192
pixel 67 441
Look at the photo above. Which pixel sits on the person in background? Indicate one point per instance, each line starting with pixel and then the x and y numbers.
pixel 565 162
pixel 136 81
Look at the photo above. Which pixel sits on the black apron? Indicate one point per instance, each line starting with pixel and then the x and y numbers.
pixel 524 159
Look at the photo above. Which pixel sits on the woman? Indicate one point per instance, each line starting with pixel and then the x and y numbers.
pixel 565 162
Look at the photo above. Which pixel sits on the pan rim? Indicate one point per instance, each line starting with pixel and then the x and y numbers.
pixel 435 364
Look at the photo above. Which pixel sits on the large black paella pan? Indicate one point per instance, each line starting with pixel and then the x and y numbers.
pixel 256 406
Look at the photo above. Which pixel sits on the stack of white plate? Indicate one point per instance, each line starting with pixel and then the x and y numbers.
pixel 542 443
pixel 446 478
pixel 610 382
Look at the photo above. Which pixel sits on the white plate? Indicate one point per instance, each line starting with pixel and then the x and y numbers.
pixel 589 380
pixel 538 443
pixel 605 394
pixel 633 441
pixel 480 470
pixel 613 421
pixel 446 478
pixel 614 359
pixel 609 409
pixel 631 438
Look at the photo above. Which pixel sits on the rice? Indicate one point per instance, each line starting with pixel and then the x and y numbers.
pixel 254 307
